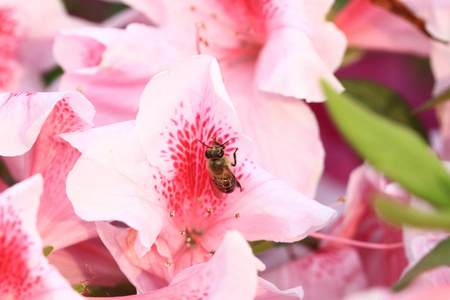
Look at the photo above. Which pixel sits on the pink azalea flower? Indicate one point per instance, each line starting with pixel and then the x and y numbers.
pixel 375 28
pixel 372 27
pixel 230 274
pixel 290 41
pixel 325 274
pixel 151 175
pixel 360 223
pixel 434 283
pixel 34 121
pixel 31 124
pixel 26 35
pixel 355 256
pixel 418 243
pixel 435 293
pixel 266 50
pixel 99 62
pixel 26 274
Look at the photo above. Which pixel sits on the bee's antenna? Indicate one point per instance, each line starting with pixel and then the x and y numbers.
pixel 222 145
pixel 203 143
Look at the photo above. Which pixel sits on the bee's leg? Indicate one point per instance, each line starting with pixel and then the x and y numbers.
pixel 234 156
pixel 239 185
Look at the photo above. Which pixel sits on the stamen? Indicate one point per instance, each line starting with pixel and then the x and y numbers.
pixel 172 213
pixel 338 202
pixel 351 242
pixel 212 251
pixel 209 211
pixel 236 216
pixel 167 264
pixel 183 232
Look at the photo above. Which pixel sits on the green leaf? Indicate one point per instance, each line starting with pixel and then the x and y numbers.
pixel 440 255
pixel 445 96
pixel 261 246
pixel 352 55
pixel 399 214
pixel 52 74
pixel 47 250
pixel 79 288
pixel 395 150
pixel 383 101
pixel 122 289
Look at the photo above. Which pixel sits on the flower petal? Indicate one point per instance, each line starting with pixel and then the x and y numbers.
pixel 112 66
pixel 270 210
pixel 74 264
pixel 371 27
pixel 111 181
pixel 339 270
pixel 285 70
pixel 268 291
pixel 43 117
pixel 278 125
pixel 23 115
pixel 171 122
pixel 118 240
pixel 199 106
pixel 26 274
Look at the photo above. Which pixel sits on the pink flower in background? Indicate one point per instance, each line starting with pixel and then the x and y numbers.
pixel 265 50
pixel 31 124
pixel 377 29
pixel 361 252
pixel 372 27
pixel 27 30
pixel 26 274
pixel 324 274
pixel 434 283
pixel 152 176
pixel 34 121
pixel 360 223
pixel 111 67
pixel 290 42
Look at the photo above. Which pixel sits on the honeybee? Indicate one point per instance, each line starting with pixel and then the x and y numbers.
pixel 221 178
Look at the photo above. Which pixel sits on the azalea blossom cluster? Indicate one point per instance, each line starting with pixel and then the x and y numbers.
pixel 107 127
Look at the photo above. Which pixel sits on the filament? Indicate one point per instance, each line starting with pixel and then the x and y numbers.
pixel 360 244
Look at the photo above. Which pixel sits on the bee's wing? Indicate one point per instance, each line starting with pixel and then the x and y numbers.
pixel 214 188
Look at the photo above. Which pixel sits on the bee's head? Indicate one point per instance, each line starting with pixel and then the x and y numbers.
pixel 214 151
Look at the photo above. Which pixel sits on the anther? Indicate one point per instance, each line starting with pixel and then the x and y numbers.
pixel 167 264
pixel 188 240
pixel 172 214
pixel 199 199
pixel 212 251
pixel 183 232
pixel 237 216
pixel 209 211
